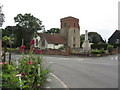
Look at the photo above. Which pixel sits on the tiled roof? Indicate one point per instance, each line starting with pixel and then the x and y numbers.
pixel 53 38
pixel 117 31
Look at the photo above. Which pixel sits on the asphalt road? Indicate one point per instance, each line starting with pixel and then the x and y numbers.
pixel 80 72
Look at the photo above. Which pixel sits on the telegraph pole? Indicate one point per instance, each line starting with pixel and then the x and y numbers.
pixel 1 23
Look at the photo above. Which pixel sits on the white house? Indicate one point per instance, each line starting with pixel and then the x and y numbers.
pixel 51 41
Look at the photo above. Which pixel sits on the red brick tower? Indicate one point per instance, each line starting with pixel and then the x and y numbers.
pixel 70 30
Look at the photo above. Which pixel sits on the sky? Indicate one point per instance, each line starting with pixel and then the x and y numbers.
pixel 94 15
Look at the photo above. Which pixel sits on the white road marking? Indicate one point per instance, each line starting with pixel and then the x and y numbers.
pixel 116 58
pixel 65 86
pixel 47 87
pixel 50 62
pixel 48 80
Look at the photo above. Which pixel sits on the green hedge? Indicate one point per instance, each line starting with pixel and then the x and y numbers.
pixel 99 46
pixel 98 51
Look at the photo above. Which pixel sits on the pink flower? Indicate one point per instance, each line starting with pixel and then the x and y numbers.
pixel 23 74
pixel 32 42
pixel 39 51
pixel 29 62
pixel 22 48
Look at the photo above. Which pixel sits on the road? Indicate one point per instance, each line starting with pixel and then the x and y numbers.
pixel 84 72
pixel 79 72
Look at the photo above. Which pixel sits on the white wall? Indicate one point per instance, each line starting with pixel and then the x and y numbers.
pixel 53 46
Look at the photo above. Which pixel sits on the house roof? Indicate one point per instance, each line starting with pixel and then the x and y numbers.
pixel 117 31
pixel 53 38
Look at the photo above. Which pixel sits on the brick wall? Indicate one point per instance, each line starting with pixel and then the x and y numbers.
pixel 115 51
pixel 57 52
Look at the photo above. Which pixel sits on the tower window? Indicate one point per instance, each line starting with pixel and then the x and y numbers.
pixel 65 24
pixel 73 45
pixel 74 24
pixel 74 39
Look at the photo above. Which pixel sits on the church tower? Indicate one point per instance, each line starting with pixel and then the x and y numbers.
pixel 70 30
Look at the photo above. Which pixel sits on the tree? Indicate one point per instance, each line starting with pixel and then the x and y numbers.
pixel 93 37
pixel 26 28
pixel 53 31
pixel 82 38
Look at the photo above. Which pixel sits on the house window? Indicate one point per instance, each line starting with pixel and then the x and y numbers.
pixel 42 41
pixel 117 41
pixel 56 44
pixel 36 42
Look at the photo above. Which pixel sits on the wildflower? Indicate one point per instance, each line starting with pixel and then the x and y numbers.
pixel 29 62
pixel 32 42
pixel 39 51
pixel 23 74
pixel 22 48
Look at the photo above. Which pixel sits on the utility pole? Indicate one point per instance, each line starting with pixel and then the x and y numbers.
pixel 1 23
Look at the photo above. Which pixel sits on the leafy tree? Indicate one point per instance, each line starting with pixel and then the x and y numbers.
pixel 93 37
pixel 53 31
pixel 26 28
pixel 82 38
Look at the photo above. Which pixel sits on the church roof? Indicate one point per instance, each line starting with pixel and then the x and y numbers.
pixel 53 38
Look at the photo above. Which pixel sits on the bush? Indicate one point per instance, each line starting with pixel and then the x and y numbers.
pixel 98 51
pixel 99 46
pixel 9 76
pixel 61 48
pixel 110 48
pixel 30 71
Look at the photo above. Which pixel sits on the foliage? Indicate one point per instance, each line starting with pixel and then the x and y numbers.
pixel 61 48
pixel 31 71
pixel 53 31
pixel 99 46
pixel 110 48
pixel 116 45
pixel 82 38
pixel 102 51
pixel 93 37
pixel 9 76
pixel 26 28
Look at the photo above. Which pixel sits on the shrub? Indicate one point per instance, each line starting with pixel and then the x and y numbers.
pixel 9 76
pixel 110 48
pixel 99 46
pixel 30 71
pixel 98 51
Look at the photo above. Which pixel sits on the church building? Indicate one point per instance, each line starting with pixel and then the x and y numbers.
pixel 69 36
